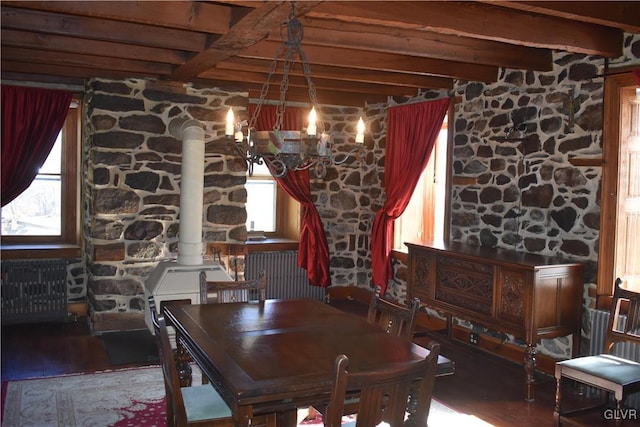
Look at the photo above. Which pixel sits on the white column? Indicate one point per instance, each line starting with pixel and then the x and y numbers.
pixel 191 189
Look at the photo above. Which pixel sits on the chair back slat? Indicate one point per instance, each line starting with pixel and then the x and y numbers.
pixel 394 318
pixel 232 291
pixel 176 413
pixel 625 302
pixel 384 395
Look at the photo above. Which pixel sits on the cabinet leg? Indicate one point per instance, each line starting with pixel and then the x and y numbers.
pixel 449 320
pixel 529 369
pixel 575 349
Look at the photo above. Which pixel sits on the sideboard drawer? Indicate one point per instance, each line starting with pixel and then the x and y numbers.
pixel 464 283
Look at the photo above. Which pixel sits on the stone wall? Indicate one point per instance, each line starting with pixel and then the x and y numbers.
pixel 525 194
pixel 132 188
pixel 346 200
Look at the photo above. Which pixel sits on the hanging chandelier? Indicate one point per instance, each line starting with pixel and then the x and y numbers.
pixel 284 150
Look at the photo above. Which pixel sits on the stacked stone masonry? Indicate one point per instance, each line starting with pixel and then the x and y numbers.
pixel 132 188
pixel 526 195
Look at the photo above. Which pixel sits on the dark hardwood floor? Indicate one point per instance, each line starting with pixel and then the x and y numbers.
pixel 483 385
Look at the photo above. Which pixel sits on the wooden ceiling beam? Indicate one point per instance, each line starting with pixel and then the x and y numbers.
pixel 346 74
pixel 49 42
pixel 251 28
pixel 102 29
pixel 298 95
pixel 50 71
pixel 186 15
pixel 10 76
pixel 482 21
pixel 359 51
pixel 425 44
pixel 620 14
pixel 47 58
pixel 319 83
pixel 324 97
pixel 380 61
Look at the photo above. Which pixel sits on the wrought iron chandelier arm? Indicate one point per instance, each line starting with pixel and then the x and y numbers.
pixel 339 159
pixel 302 149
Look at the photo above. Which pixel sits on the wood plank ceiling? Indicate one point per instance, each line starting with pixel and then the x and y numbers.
pixel 358 51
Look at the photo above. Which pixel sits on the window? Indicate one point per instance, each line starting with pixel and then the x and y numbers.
pixel 271 212
pixel 46 214
pixel 424 217
pixel 619 252
pixel 261 200
pixel 37 211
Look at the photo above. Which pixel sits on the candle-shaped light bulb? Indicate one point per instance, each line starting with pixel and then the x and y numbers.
pixel 360 133
pixel 229 128
pixel 311 129
pixel 322 144
pixel 238 135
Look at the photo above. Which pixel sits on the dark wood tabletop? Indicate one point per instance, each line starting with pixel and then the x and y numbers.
pixel 279 355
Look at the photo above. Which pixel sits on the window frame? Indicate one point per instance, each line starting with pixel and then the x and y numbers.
pixel 611 135
pixel 67 244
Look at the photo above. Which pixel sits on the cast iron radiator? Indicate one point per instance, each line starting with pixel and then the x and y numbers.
pixel 626 350
pixel 285 280
pixel 33 290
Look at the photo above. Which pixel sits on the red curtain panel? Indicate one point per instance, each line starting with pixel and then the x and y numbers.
pixel 313 251
pixel 31 121
pixel 412 131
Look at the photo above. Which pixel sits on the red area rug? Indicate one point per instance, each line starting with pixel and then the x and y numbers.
pixel 128 397
pixel 120 398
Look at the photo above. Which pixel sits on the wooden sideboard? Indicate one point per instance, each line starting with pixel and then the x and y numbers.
pixel 527 295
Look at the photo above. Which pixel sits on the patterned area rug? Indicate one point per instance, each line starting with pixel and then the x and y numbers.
pixel 126 397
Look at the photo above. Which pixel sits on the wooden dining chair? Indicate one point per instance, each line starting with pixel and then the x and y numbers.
pixel 386 395
pixel 194 405
pixel 232 291
pixel 611 375
pixel 394 318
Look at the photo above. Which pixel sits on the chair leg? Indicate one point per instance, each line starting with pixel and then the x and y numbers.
pixel 618 412
pixel 171 421
pixel 557 411
pixel 287 418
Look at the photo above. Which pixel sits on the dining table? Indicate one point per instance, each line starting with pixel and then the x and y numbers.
pixel 277 355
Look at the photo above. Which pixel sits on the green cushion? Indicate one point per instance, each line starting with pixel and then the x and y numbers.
pixel 202 402
pixel 612 368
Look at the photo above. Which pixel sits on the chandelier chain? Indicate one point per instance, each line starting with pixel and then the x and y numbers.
pixel 283 150
pixel 291 46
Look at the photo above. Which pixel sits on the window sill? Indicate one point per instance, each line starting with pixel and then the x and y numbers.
pixel 39 251
pixel 400 256
pixel 272 244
